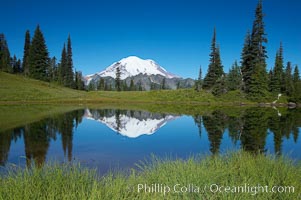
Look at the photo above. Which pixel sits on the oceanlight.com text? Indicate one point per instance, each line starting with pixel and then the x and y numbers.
pixel 253 190
pixel 212 188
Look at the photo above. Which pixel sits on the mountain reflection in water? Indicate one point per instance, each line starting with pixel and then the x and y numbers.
pixel 81 134
pixel 131 124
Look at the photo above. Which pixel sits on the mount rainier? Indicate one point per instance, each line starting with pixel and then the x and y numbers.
pixel 144 72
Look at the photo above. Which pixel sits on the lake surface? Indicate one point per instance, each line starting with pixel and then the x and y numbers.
pixel 112 139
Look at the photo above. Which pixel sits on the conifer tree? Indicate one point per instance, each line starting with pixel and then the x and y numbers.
pixel 296 96
pixel 118 79
pixel 277 73
pixel 16 65
pixel 140 86
pixel 246 66
pixel 258 38
pixel 198 83
pixel 79 83
pixel 220 86
pixel 69 82
pixel 200 74
pixel 124 86
pixel 163 85
pixel 289 85
pixel 132 86
pixel 153 86
pixel 4 55
pixel 63 67
pixel 91 87
pixel 258 83
pixel 26 53
pixel 254 56
pixel 101 84
pixel 215 68
pixel 178 85
pixel 38 56
pixel 53 69
pixel 296 76
pixel 234 78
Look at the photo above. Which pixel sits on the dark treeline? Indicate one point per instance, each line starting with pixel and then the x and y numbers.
pixel 37 64
pixel 251 77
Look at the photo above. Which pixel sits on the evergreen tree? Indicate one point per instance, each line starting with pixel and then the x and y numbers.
pixel 218 62
pixel 178 85
pixel 139 86
pixel 198 83
pixel 296 96
pixel 277 74
pixel 234 78
pixel 163 85
pixel 215 68
pixel 118 79
pixel 296 76
pixel 53 70
pixel 289 85
pixel 63 67
pixel 132 86
pixel 101 84
pixel 69 81
pixel 255 75
pixel 91 87
pixel 4 55
pixel 219 87
pixel 246 66
pixel 153 86
pixel 124 86
pixel 258 38
pixel 38 56
pixel 26 53
pixel 16 65
pixel 79 83
pixel 200 74
pixel 258 83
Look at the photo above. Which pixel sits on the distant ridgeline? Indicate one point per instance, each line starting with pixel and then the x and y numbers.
pixel 250 76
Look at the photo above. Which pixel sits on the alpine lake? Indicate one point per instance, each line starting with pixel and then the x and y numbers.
pixel 112 139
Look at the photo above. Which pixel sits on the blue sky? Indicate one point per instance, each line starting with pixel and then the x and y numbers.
pixel 175 33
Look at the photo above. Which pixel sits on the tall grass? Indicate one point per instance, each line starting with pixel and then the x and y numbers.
pixel 55 181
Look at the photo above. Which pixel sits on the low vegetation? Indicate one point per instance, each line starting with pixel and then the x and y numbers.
pixel 16 89
pixel 197 178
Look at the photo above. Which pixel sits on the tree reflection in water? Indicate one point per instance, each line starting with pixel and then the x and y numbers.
pixel 250 127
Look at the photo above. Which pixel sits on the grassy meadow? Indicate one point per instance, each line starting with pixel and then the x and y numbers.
pixel 16 89
pixel 202 175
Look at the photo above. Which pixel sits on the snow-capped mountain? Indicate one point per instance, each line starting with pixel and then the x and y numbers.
pixel 140 123
pixel 132 66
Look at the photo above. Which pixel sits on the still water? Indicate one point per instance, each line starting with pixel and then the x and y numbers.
pixel 112 139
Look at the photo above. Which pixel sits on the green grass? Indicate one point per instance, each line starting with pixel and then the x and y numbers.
pixel 62 181
pixel 182 96
pixel 15 89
